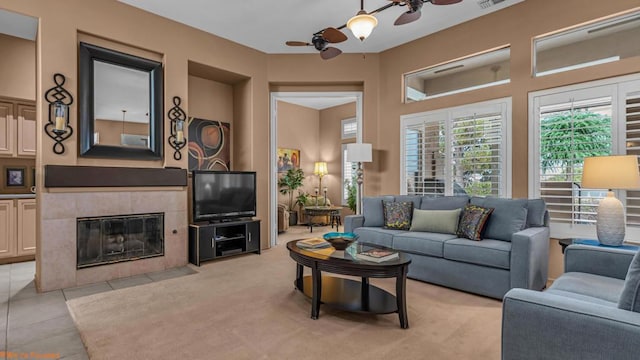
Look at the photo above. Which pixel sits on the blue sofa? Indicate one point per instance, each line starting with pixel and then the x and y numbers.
pixel 592 311
pixel 514 252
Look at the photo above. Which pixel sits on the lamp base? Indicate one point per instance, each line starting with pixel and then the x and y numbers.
pixel 611 223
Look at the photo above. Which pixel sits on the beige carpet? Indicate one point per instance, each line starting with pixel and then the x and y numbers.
pixel 245 307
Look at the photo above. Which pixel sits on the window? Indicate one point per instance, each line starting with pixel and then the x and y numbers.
pixel 457 151
pixel 470 73
pixel 349 128
pixel 348 174
pixel 571 49
pixel 569 124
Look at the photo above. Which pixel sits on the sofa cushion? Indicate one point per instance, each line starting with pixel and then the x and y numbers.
pixel 596 286
pixel 423 243
pixel 372 210
pixel 415 199
pixel 509 216
pixel 397 214
pixel 488 252
pixel 536 209
pixel 472 222
pixel 630 297
pixel 443 202
pixel 437 221
pixel 377 235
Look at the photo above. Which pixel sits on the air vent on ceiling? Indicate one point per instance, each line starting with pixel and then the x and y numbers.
pixel 488 3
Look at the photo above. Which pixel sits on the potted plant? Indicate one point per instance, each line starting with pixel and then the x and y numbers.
pixel 288 183
pixel 352 192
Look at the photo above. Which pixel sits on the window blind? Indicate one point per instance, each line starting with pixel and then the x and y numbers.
pixel 632 141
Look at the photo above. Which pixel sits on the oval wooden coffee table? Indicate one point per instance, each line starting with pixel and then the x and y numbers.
pixel 348 294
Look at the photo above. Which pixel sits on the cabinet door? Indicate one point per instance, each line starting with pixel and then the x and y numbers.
pixel 26 130
pixel 206 242
pixel 7 229
pixel 26 227
pixel 253 236
pixel 7 132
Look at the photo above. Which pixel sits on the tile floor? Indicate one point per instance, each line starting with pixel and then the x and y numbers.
pixel 34 325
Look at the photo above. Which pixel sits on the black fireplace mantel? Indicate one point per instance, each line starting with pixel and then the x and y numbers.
pixel 62 176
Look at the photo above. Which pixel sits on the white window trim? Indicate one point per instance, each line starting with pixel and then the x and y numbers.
pixel 617 133
pixel 504 106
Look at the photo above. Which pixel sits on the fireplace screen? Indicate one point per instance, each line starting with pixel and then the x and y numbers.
pixel 105 240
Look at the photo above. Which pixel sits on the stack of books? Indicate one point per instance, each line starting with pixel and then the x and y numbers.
pixel 313 243
pixel 377 255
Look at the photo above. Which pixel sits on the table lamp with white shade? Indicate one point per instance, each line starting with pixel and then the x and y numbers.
pixel 611 172
pixel 359 153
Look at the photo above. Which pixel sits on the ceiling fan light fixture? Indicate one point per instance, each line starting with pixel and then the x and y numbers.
pixel 362 24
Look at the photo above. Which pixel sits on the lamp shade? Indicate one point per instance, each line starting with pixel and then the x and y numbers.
pixel 359 152
pixel 362 25
pixel 611 172
pixel 320 168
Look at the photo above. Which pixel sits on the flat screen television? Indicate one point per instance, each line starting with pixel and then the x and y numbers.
pixel 223 195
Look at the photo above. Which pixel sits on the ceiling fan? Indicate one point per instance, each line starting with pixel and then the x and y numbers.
pixel 332 35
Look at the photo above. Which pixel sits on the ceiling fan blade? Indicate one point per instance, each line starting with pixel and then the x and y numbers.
pixel 330 53
pixel 445 2
pixel 298 43
pixel 408 17
pixel 333 35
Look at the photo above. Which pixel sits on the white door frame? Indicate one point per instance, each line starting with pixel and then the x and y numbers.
pixel 273 144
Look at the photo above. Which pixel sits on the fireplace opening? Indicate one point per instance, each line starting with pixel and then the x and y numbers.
pixel 110 239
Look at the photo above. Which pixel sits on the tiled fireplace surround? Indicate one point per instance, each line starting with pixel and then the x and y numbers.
pixel 59 211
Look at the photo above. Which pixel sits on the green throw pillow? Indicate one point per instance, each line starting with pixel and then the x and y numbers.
pixel 397 215
pixel 472 221
pixel 437 221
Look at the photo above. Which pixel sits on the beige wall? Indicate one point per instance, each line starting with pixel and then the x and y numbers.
pixel 298 128
pixel 211 100
pixel 331 147
pixel 17 68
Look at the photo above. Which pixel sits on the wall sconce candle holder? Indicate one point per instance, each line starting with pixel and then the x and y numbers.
pixel 178 118
pixel 59 100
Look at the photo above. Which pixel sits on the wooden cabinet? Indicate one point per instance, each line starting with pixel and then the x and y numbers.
pixel 7 228
pixel 17 228
pixel 17 128
pixel 26 229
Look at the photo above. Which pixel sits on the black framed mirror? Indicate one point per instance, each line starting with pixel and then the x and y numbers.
pixel 120 105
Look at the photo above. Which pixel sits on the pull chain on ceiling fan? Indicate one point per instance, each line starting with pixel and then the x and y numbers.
pixel 362 24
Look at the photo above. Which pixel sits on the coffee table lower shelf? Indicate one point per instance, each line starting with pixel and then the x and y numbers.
pixel 351 295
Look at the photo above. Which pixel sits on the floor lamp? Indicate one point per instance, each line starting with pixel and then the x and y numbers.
pixel 611 172
pixel 359 153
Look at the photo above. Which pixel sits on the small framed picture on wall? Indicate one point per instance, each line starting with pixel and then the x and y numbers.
pixel 14 177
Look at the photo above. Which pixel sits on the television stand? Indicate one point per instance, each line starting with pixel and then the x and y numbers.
pixel 210 241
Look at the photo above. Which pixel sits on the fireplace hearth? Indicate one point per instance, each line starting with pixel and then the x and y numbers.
pixel 111 239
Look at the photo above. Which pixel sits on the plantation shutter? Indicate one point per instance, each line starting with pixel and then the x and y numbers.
pixel 569 132
pixel 424 158
pixel 632 140
pixel 349 128
pixel 348 173
pixel 477 152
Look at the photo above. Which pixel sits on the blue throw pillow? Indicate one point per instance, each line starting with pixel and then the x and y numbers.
pixel 630 297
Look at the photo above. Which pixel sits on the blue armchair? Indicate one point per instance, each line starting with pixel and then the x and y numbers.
pixel 592 311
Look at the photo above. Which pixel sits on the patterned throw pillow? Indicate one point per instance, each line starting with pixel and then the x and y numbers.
pixel 397 214
pixel 472 221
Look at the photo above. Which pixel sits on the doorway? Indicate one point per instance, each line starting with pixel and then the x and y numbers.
pixel 301 99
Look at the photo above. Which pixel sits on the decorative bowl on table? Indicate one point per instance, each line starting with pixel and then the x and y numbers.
pixel 340 241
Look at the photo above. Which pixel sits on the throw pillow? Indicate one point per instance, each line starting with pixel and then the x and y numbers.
pixel 472 222
pixel 397 215
pixel 508 217
pixel 630 296
pixel 437 221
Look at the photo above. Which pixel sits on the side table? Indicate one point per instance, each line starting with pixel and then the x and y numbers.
pixel 568 241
